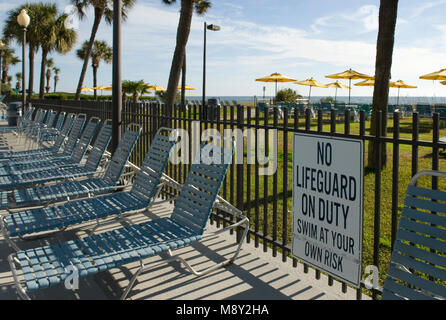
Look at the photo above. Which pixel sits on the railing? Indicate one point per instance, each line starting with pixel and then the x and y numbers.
pixel 267 200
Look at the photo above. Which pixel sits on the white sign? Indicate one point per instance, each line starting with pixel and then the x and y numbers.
pixel 328 204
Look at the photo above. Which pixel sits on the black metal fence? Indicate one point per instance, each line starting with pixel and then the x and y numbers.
pixel 267 200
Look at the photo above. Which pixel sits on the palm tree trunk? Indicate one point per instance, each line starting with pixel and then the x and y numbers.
pixel 184 24
pixel 42 74
pixel 95 81
pixel 55 84
pixel 31 72
pixel 98 13
pixel 384 51
pixel 5 73
pixel 48 78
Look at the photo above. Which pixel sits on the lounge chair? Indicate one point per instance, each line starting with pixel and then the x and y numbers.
pixel 33 128
pixel 53 150
pixel 32 138
pixel 417 268
pixel 49 265
pixel 35 178
pixel 50 134
pixel 22 122
pixel 59 192
pixel 73 153
pixel 145 187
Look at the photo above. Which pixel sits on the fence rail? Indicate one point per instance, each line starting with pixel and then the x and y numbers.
pixel 267 199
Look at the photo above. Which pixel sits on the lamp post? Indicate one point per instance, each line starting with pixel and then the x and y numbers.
pixel 23 20
pixel 2 45
pixel 117 75
pixel 211 27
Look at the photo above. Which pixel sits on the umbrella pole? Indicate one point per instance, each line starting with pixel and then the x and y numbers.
pixel 336 94
pixel 398 97
pixel 349 90
pixel 309 97
pixel 274 100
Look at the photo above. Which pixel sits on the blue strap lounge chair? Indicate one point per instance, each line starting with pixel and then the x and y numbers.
pixel 38 122
pixel 54 149
pixel 78 188
pixel 49 122
pixel 35 178
pixel 53 218
pixel 65 150
pixel 417 268
pixel 48 265
pixel 22 122
pixel 50 134
pixel 73 153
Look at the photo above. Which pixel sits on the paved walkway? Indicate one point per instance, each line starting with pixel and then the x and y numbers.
pixel 256 275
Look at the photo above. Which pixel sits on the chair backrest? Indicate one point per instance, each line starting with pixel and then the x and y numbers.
pixel 60 120
pixel 417 268
pixel 40 115
pixel 301 107
pixel 122 154
pixel 99 147
pixel 68 124
pixel 85 139
pixel 194 204
pixel 424 110
pixel 155 161
pixel 340 108
pixel 261 106
pixel 51 118
pixel 75 132
pixel 326 106
pixel 441 109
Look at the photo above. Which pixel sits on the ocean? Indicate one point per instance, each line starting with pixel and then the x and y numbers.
pixel 353 99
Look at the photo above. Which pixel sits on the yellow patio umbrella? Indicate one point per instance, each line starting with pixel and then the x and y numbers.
pixel 98 88
pixel 349 74
pixel 400 84
pixel 186 88
pixel 155 88
pixel 276 77
pixel 437 75
pixel 366 83
pixel 443 82
pixel 108 88
pixel 337 85
pixel 87 89
pixel 311 83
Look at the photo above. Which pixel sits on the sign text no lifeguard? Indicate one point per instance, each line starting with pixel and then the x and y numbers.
pixel 328 204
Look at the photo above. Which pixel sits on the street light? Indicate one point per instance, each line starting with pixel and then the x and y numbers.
pixel 211 27
pixel 2 45
pixel 23 20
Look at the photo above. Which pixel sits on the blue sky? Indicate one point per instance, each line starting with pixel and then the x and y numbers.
pixel 300 39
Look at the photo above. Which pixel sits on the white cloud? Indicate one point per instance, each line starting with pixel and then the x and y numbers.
pixel 364 19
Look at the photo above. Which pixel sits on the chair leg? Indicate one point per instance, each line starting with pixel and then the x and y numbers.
pixel 222 264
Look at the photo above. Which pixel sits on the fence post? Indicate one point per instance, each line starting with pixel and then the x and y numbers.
pixel 240 181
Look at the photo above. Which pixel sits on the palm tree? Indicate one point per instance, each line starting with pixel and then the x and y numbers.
pixel 12 30
pixel 102 8
pixel 55 36
pixel 18 84
pixel 184 25
pixel 8 59
pixel 9 80
pixel 56 77
pixel 100 51
pixel 384 51
pixel 135 88
pixel 49 66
